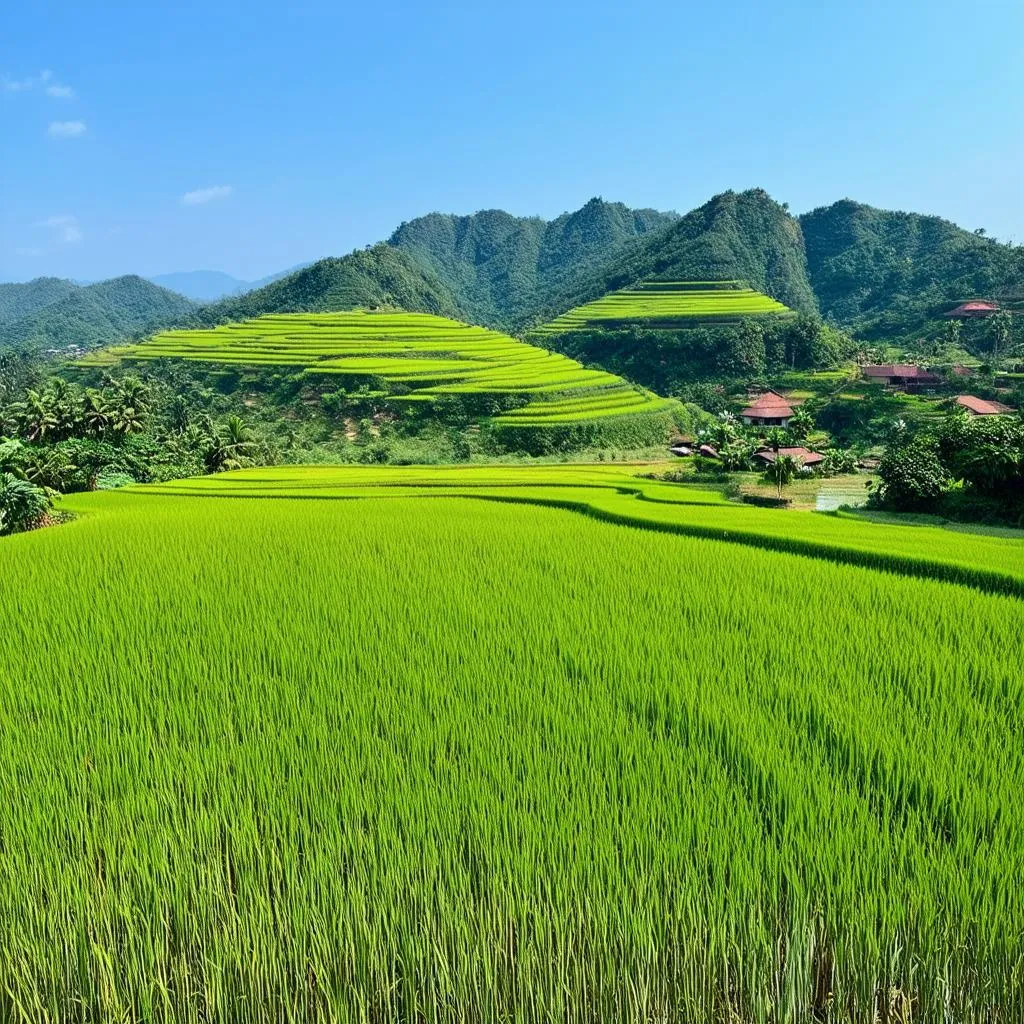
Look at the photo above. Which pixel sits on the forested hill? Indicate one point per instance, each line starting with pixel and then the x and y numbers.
pixel 736 235
pixel 888 274
pixel 63 314
pixel 21 300
pixel 501 269
pixel 379 276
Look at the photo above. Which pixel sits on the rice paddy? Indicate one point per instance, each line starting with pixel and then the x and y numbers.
pixel 427 357
pixel 506 744
pixel 666 304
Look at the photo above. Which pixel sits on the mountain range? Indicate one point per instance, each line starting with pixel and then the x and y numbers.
pixel 211 285
pixel 883 275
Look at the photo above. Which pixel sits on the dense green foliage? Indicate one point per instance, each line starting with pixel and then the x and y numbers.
pixel 964 467
pixel 501 268
pixel 890 274
pixel 669 350
pixel 22 503
pixel 67 437
pixel 518 781
pixel 87 317
pixel 21 300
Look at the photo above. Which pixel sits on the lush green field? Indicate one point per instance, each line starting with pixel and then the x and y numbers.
pixel 666 304
pixel 381 745
pixel 428 357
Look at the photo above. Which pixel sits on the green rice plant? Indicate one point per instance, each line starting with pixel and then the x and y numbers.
pixel 360 744
pixel 433 355
pixel 666 304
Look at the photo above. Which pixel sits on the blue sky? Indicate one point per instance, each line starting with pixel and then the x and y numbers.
pixel 150 137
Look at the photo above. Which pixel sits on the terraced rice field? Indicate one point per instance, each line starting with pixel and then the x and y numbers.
pixel 491 745
pixel 428 356
pixel 666 304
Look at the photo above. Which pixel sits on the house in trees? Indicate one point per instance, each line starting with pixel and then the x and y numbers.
pixel 972 309
pixel 980 407
pixel 769 410
pixel 806 458
pixel 904 376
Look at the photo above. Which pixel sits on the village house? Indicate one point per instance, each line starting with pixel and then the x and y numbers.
pixel 804 456
pixel 901 375
pixel 769 410
pixel 974 308
pixel 980 407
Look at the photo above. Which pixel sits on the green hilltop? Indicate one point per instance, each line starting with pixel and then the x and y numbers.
pixel 502 268
pixel 886 274
pixel 49 313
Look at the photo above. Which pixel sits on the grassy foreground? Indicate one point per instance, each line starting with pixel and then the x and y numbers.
pixel 417 756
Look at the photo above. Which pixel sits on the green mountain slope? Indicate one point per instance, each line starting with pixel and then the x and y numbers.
pixel 380 276
pixel 96 315
pixel 21 300
pixel 502 268
pixel 743 236
pixel 890 274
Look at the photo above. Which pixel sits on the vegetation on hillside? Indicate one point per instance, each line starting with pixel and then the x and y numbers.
pixel 962 467
pixel 745 236
pixel 87 317
pixel 422 366
pixel 669 336
pixel 374 277
pixel 892 275
pixel 502 268
pixel 21 300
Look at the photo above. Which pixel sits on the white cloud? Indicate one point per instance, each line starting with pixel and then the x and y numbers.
pixel 44 80
pixel 65 228
pixel 17 84
pixel 67 129
pixel 200 196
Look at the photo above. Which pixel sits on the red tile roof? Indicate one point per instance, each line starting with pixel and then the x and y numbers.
pixel 770 405
pixel 980 407
pixel 804 455
pixel 974 306
pixel 905 370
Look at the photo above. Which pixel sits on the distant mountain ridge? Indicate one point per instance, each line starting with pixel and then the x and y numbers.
pixel 212 285
pixel 373 277
pixel 881 274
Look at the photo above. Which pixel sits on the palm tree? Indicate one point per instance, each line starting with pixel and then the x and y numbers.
pixel 38 419
pixel 96 413
pixel 781 471
pixel 127 419
pixel 232 446
pixel 133 393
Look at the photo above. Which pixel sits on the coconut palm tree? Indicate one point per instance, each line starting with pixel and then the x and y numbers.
pixel 232 446
pixel 38 420
pixel 97 415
